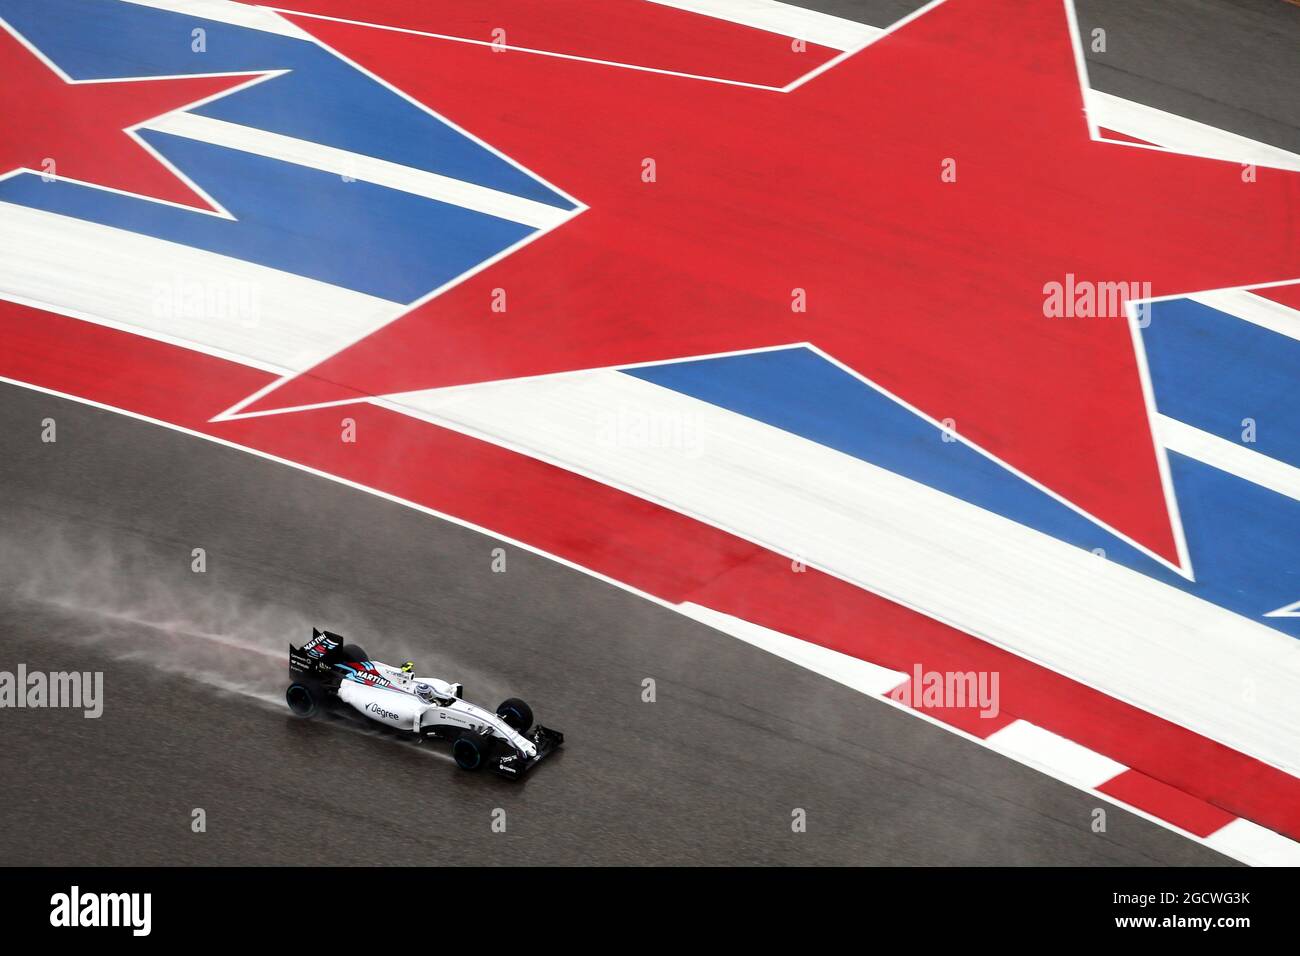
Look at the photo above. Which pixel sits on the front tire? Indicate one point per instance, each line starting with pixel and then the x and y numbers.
pixel 471 751
pixel 303 700
pixel 517 714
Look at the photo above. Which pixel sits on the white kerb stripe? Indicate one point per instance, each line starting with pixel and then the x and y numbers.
pixel 870 679
pixel 1054 754
pixel 1228 456
pixel 820 28
pixel 328 159
pixel 1254 844
pixel 1255 309
pixel 1183 135
pixel 175 293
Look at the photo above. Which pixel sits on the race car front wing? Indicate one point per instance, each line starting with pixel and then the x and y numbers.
pixel 514 764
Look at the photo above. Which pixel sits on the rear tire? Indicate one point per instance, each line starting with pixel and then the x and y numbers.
pixel 346 654
pixel 353 654
pixel 516 713
pixel 303 700
pixel 471 752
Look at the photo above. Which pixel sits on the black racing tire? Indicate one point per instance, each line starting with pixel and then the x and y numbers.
pixel 346 654
pixel 472 751
pixel 516 713
pixel 304 699
pixel 352 654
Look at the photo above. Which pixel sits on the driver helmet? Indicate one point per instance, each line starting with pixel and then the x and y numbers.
pixel 424 692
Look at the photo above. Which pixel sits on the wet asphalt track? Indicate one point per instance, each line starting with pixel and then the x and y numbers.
pixel 96 534
pixel 99 532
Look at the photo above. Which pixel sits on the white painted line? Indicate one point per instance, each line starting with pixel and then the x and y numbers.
pixel 176 293
pixel 1254 844
pixel 1182 135
pixel 860 675
pixel 1100 623
pixel 1228 456
pixel 1158 451
pixel 1287 610
pixel 1054 755
pixel 835 61
pixel 782 18
pixel 1255 309
pixel 235 14
pixel 328 159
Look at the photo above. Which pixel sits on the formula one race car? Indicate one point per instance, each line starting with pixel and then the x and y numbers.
pixel 327 674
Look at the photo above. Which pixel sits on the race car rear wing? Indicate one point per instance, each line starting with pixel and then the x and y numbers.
pixel 310 659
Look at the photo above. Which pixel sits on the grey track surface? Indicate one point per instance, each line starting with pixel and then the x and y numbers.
pixel 99 529
pixel 96 533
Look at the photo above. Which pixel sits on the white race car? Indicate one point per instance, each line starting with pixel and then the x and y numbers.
pixel 328 675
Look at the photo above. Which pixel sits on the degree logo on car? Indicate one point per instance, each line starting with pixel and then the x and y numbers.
pixel 380 712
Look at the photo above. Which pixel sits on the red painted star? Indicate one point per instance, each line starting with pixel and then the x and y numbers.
pixel 79 130
pixel 932 288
